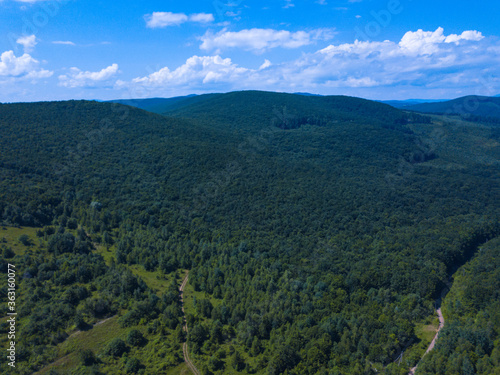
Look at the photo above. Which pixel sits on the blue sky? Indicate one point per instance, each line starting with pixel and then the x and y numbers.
pixel 376 49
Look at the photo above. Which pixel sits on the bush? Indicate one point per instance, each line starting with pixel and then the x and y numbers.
pixel 87 357
pixel 132 366
pixel 8 253
pixel 80 322
pixel 135 338
pixel 25 240
pixel 116 348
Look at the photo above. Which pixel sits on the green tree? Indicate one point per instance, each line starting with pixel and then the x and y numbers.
pixel 87 357
pixel 116 348
pixel 135 338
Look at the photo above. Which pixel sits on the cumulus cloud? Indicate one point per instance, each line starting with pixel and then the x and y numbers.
pixel 164 19
pixel 428 42
pixel 196 71
pixel 28 42
pixel 422 61
pixel 78 78
pixel 259 40
pixel 466 35
pixel 23 66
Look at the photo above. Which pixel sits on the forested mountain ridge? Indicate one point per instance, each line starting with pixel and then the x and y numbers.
pixel 318 230
pixel 471 106
pixel 155 105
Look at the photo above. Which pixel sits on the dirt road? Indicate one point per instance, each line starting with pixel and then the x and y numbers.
pixel 185 350
pixel 433 342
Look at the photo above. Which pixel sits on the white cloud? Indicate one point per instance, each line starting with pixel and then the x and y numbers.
pixel 259 40
pixel 164 19
pixel 197 70
pixel 64 42
pixel 466 35
pixel 78 78
pixel 265 65
pixel 420 64
pixel 28 42
pixel 23 66
pixel 428 42
pixel 202 17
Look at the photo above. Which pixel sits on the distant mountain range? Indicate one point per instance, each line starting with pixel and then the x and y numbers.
pixel 483 106
pixel 406 103
pixel 155 105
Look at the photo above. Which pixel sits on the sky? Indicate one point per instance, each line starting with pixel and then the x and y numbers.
pixel 375 49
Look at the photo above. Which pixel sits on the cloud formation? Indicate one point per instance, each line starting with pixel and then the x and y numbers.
pixel 421 60
pixel 78 78
pixel 428 42
pixel 28 42
pixel 260 40
pixel 195 72
pixel 164 19
pixel 20 67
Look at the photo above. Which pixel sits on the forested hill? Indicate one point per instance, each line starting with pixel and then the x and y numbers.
pixel 257 108
pixel 317 230
pixel 155 105
pixel 479 106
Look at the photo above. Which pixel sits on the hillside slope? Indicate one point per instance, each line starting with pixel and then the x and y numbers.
pixel 317 230
pixel 482 106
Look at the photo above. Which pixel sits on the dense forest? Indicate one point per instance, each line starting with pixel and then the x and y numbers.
pixel 317 231
pixel 472 105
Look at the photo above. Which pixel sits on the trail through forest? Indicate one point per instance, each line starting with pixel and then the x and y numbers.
pixel 433 342
pixel 185 350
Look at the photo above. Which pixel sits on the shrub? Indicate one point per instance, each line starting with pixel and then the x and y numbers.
pixel 8 253
pixel 87 357
pixel 132 366
pixel 25 240
pixel 135 338
pixel 116 348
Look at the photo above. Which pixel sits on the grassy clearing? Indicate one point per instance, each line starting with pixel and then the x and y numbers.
pixel 190 294
pixel 182 369
pixel 95 339
pixel 426 331
pixel 107 254
pixel 9 236
pixel 159 354
pixel 157 281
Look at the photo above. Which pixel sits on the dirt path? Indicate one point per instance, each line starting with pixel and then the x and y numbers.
pixel 433 342
pixel 185 351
